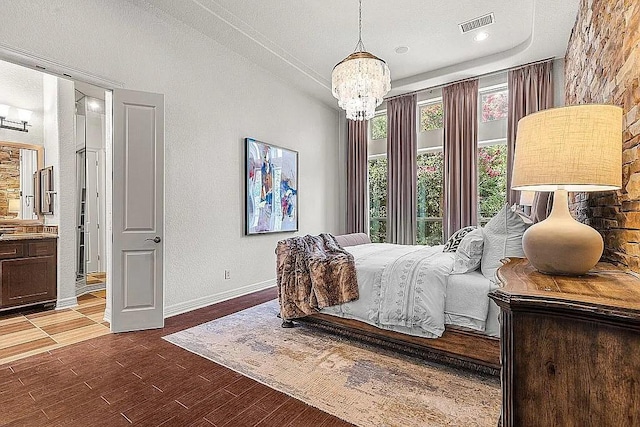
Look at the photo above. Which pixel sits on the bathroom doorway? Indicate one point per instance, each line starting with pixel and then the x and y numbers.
pixel 91 134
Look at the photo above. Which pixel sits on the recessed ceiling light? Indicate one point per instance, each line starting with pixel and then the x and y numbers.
pixel 402 49
pixel 483 35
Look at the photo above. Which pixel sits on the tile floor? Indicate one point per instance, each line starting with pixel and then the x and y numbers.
pixel 96 278
pixel 33 332
pixel 137 378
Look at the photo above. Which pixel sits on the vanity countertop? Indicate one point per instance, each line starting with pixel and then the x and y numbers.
pixel 27 236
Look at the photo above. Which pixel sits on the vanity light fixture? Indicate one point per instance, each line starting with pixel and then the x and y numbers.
pixel 23 116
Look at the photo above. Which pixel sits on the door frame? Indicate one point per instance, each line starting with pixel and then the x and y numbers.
pixel 45 65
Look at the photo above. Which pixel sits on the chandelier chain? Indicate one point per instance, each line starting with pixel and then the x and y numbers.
pixel 360 45
pixel 360 81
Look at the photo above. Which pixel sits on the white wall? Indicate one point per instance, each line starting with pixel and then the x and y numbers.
pixel 59 152
pixel 214 98
pixel 22 88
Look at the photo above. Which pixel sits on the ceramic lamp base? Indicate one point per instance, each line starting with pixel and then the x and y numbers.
pixel 560 245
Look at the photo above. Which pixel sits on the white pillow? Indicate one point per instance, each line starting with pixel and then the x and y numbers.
pixel 502 239
pixel 469 253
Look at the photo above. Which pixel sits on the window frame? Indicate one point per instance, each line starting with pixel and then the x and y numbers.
pixel 378 113
pixel 426 103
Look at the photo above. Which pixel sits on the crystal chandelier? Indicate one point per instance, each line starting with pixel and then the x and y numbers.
pixel 360 81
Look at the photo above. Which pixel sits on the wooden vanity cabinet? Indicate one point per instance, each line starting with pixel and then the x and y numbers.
pixel 28 272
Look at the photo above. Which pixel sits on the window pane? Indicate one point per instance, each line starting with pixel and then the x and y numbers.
pixel 494 106
pixel 430 167
pixel 379 127
pixel 431 117
pixel 492 180
pixel 378 199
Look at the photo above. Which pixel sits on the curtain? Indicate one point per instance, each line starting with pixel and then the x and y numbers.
pixel 357 192
pixel 460 102
pixel 402 150
pixel 530 90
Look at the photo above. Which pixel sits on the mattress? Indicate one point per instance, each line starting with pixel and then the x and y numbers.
pixel 467 300
pixel 465 296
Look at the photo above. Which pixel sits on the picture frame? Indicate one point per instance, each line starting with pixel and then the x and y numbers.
pixel 46 191
pixel 271 188
pixel 36 192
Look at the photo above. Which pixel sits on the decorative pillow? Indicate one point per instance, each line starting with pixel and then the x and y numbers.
pixel 469 253
pixel 454 241
pixel 502 239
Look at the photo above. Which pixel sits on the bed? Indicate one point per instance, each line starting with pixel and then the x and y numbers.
pixel 463 331
pixel 431 302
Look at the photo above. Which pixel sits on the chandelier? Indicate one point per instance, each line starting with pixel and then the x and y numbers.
pixel 360 81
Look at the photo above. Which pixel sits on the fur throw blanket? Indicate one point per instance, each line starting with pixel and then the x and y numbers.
pixel 313 272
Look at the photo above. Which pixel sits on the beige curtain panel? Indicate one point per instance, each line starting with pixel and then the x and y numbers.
pixel 357 191
pixel 402 151
pixel 530 90
pixel 460 101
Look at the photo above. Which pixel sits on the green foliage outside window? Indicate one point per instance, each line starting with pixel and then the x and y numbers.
pixel 378 127
pixel 378 199
pixel 431 117
pixel 492 190
pixel 430 185
pixel 492 180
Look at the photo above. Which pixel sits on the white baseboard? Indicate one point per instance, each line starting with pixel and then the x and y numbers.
pixel 66 303
pixel 107 314
pixel 183 307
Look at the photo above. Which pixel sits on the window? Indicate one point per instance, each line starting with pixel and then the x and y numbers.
pixel 492 162
pixel 430 185
pixel 492 180
pixel 494 105
pixel 431 117
pixel 379 126
pixel 492 151
pixel 378 199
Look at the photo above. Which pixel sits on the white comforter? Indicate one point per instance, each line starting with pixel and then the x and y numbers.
pixel 402 288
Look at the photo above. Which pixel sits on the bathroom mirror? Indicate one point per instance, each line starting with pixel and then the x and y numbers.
pixel 18 189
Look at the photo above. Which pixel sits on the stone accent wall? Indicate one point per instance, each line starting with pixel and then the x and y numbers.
pixel 9 178
pixel 603 66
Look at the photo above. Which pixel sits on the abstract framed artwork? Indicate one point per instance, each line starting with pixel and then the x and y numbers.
pixel 271 188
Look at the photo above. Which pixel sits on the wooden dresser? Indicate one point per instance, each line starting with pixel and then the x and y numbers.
pixel 28 271
pixel 570 347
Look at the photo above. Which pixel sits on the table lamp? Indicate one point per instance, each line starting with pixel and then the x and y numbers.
pixel 576 148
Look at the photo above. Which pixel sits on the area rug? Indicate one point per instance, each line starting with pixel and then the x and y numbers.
pixel 361 384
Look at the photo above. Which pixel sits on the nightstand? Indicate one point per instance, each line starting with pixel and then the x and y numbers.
pixel 570 347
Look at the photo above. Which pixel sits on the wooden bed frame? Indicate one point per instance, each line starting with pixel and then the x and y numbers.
pixel 457 347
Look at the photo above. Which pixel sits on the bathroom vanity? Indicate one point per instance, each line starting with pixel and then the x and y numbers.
pixel 28 270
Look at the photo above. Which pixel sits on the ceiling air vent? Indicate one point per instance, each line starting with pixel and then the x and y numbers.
pixel 476 23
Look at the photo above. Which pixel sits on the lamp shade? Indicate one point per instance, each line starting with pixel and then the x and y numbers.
pixel 576 148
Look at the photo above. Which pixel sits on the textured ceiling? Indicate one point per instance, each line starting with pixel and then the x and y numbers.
pixel 20 87
pixel 301 40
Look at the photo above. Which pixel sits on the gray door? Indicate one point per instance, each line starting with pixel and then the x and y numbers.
pixel 137 211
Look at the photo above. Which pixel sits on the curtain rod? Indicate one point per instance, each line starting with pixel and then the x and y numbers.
pixel 493 73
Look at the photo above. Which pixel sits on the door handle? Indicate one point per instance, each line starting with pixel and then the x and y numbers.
pixel 156 239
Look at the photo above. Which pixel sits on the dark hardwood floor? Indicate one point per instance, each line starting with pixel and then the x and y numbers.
pixel 138 378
